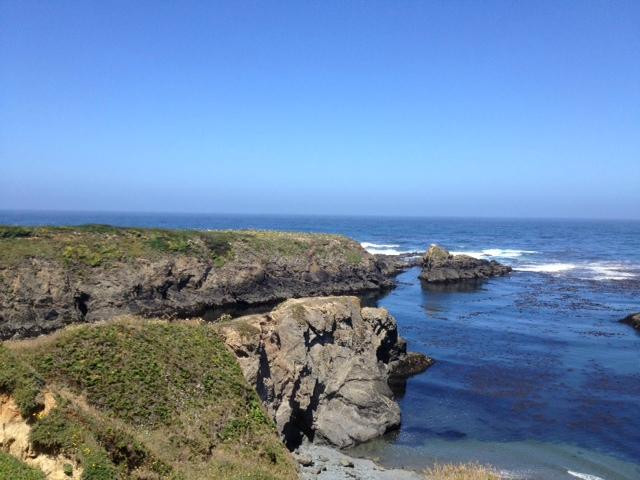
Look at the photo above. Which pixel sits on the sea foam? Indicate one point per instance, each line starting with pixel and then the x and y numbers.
pixel 583 476
pixel 495 252
pixel 546 267
pixel 383 249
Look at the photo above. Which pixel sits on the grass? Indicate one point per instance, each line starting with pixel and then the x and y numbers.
pixel 13 469
pixel 103 246
pixel 146 399
pixel 469 471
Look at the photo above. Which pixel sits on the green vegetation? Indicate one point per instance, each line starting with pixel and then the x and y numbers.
pixel 103 246
pixel 22 382
pixel 14 469
pixel 144 399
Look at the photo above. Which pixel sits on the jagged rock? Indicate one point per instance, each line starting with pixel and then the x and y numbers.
pixel 633 320
pixel 392 265
pixel 439 266
pixel 322 366
pixel 39 295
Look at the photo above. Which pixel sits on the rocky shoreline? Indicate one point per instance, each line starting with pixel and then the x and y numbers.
pixel 326 463
pixel 52 277
pixel 325 367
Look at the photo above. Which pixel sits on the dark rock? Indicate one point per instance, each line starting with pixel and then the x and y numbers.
pixel 439 266
pixel 410 364
pixel 633 320
pixel 322 368
pixel 40 295
pixel 392 265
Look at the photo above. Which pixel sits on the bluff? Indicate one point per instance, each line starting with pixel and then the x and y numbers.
pixel 51 277
pixel 439 266
pixel 322 367
pixel 133 399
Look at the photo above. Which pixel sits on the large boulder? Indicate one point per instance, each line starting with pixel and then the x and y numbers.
pixel 439 266
pixel 322 367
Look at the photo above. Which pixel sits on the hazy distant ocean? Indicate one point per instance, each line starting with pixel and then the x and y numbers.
pixel 534 373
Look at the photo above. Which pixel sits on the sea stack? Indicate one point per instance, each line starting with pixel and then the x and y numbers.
pixel 439 266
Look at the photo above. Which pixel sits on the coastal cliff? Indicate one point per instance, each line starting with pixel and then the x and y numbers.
pixel 51 277
pixel 322 367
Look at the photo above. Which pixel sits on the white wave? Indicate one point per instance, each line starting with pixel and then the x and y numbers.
pixel 495 252
pixel 546 267
pixel 610 271
pixel 382 248
pixel 583 476
pixel 588 271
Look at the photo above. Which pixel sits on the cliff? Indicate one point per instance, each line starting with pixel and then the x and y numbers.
pixel 134 399
pixel 322 367
pixel 52 277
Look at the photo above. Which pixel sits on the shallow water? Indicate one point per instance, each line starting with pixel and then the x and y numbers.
pixel 534 372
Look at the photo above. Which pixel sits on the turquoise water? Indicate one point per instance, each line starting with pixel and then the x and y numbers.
pixel 534 374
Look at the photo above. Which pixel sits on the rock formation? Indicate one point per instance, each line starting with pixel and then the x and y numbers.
pixel 392 265
pixel 633 320
pixel 44 291
pixel 322 367
pixel 439 266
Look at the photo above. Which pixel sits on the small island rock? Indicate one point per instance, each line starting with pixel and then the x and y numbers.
pixel 439 266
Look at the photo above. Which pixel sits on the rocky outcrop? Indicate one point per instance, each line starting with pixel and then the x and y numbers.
pixel 322 367
pixel 633 320
pixel 42 292
pixel 392 265
pixel 439 266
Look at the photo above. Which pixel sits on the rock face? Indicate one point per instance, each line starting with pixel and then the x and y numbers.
pixel 322 367
pixel 392 265
pixel 439 266
pixel 40 294
pixel 633 320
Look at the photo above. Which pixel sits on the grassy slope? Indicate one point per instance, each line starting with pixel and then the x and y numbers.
pixel 144 399
pixel 11 468
pixel 101 245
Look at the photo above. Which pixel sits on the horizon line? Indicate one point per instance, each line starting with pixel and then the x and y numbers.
pixel 344 215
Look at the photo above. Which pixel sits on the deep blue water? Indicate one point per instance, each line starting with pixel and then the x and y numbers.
pixel 534 373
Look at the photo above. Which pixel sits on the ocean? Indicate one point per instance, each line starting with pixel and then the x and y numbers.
pixel 534 374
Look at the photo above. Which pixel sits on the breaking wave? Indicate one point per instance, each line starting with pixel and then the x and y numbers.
pixel 383 249
pixel 495 252
pixel 583 476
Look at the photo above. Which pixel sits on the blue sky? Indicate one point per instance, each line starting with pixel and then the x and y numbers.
pixel 462 108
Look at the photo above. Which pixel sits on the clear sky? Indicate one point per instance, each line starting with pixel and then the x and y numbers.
pixel 469 108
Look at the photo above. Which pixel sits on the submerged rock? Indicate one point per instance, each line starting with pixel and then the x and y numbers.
pixel 439 266
pixel 322 367
pixel 633 320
